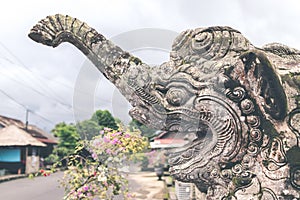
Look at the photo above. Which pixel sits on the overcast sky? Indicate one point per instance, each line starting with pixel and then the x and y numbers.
pixel 51 82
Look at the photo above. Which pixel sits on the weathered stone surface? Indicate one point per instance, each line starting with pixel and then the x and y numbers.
pixel 239 105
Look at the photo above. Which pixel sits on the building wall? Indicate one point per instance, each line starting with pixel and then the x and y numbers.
pixel 32 164
pixel 10 154
pixel 10 160
pixel 20 159
pixel 188 191
pixel 46 151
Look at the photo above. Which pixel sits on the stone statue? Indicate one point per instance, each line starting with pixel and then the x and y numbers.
pixel 238 105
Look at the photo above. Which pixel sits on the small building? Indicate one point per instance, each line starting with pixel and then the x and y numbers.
pixel 43 137
pixel 166 140
pixel 19 151
pixel 22 146
pixel 35 132
pixel 161 144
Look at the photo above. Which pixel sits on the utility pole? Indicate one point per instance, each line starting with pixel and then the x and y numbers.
pixel 26 123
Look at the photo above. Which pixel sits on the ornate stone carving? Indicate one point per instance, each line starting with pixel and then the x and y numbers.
pixel 239 105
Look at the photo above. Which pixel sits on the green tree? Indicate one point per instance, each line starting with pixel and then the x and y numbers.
pixel 88 129
pixel 145 130
pixel 70 134
pixel 68 138
pixel 105 119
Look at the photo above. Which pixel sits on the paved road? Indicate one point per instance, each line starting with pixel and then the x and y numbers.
pixel 40 188
pixel 143 185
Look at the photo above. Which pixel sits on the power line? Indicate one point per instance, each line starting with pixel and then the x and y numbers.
pixel 37 76
pixel 26 108
pixel 7 95
pixel 66 106
pixel 20 64
pixel 45 119
pixel 11 58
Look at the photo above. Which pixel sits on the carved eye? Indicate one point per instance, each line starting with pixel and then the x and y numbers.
pixel 177 96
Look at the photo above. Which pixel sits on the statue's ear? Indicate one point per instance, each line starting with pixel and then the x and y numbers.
pixel 265 84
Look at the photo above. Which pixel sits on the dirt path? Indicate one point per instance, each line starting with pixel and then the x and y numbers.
pixel 144 185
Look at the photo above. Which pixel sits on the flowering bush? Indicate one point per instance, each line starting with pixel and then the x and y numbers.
pixel 156 158
pixel 99 175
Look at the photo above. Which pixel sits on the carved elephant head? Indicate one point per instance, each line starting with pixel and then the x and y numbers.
pixel 238 105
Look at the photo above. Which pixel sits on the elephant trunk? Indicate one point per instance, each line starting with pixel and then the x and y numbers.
pixel 132 77
pixel 110 59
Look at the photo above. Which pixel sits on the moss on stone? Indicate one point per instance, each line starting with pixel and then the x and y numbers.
pixel 293 156
pixel 269 129
pixel 241 181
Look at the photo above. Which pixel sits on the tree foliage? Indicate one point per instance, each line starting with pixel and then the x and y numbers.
pixel 88 129
pixel 70 134
pixel 145 131
pixel 104 119
pixel 68 138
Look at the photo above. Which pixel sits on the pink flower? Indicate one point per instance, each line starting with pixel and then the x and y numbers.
pixel 152 152
pixel 127 135
pixel 94 155
pixel 129 195
pixel 96 142
pixel 105 139
pixel 102 132
pixel 85 188
pixel 118 133
pixel 115 141
pixel 108 151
